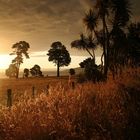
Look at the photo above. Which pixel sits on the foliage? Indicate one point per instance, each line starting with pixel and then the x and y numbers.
pixel 26 73
pixel 125 48
pixel 11 71
pixel 72 71
pixel 114 16
pixel 86 43
pixel 91 111
pixel 105 23
pixel 91 70
pixel 36 71
pixel 133 36
pixel 59 55
pixel 20 49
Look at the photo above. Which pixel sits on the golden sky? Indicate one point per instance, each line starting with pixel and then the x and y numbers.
pixel 41 22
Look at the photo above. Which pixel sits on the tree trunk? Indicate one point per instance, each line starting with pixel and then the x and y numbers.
pixel 17 74
pixel 102 62
pixel 58 69
pixel 105 47
pixel 89 52
pixel 105 65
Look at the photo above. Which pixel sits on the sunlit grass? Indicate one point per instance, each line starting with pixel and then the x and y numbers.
pixel 90 111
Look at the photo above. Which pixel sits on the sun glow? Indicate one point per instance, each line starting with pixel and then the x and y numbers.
pixel 5 60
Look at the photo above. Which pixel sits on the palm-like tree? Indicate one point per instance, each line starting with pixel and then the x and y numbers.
pixel 133 37
pixel 90 20
pixel 85 43
pixel 117 49
pixel 121 11
pixel 116 11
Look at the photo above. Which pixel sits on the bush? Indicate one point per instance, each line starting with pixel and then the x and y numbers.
pixel 92 72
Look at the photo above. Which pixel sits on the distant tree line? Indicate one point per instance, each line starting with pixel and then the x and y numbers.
pixel 35 71
pixel 58 54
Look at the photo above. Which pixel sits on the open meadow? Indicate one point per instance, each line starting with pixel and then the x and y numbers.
pixel 24 86
pixel 101 111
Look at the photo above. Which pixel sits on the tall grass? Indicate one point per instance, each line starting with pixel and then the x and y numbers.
pixel 103 111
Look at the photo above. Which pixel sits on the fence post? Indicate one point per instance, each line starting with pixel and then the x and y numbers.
pixel 33 91
pixel 9 98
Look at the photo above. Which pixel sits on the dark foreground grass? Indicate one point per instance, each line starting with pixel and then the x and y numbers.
pixel 103 111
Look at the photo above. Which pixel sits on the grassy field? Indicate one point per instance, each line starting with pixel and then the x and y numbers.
pixel 101 111
pixel 24 86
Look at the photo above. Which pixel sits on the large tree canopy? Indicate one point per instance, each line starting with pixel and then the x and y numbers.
pixel 59 55
pixel 20 49
pixel 36 71
pixel 11 71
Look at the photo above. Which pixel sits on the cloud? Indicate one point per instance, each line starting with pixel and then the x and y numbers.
pixel 39 13
pixel 40 22
pixel 39 54
pixel 45 15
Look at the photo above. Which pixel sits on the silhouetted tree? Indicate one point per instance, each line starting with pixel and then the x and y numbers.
pixel 91 70
pixel 72 71
pixel 118 11
pixel 133 36
pixel 26 73
pixel 125 48
pixel 36 71
pixel 11 71
pixel 20 49
pixel 106 17
pixel 59 55
pixel 84 63
pixel 71 81
pixel 90 20
pixel 85 43
pixel 117 52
